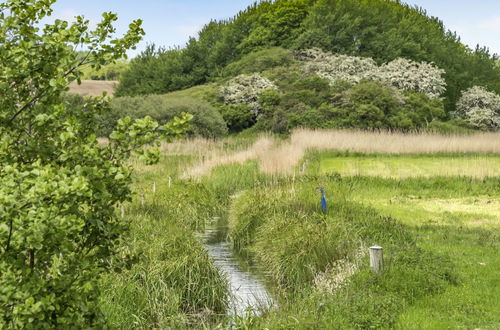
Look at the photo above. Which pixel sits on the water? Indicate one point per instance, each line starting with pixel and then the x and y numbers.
pixel 247 291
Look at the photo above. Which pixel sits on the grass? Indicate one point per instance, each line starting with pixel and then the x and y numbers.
pixel 283 157
pixel 439 229
pixel 477 166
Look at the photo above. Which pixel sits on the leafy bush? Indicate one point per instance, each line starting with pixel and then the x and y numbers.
pixel 237 116
pixel 382 30
pixel 59 187
pixel 207 121
pixel 401 73
pixel 415 76
pixel 312 102
pixel 335 67
pixel 480 108
pixel 259 61
pixel 157 71
pixel 245 89
pixel 454 126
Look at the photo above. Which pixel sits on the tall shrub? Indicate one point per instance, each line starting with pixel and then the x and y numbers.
pixel 479 107
pixel 58 185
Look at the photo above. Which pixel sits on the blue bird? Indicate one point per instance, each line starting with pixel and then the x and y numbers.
pixel 323 200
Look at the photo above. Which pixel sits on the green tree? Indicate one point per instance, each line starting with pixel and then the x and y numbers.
pixel 58 186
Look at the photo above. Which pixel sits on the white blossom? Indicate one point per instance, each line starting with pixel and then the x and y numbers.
pixel 416 76
pixel 401 73
pixel 335 67
pixel 480 107
pixel 246 89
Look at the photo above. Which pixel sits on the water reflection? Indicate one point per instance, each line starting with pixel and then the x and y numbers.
pixel 248 294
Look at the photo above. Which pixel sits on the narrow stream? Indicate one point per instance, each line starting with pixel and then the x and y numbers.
pixel 247 291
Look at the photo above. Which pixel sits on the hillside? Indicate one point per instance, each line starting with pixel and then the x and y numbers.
pixel 383 30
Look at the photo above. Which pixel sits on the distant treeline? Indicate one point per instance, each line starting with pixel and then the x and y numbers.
pixel 381 29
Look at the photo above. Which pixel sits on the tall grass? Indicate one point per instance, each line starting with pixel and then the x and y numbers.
pixel 282 157
pixel 169 280
pixel 318 259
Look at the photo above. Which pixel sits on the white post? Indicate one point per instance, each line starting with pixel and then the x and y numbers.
pixel 122 210
pixel 169 181
pixel 142 200
pixel 376 258
pixel 154 187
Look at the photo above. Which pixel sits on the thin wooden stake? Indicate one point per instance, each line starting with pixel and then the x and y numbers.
pixel 122 210
pixel 154 187
pixel 142 200
pixel 376 258
pixel 169 181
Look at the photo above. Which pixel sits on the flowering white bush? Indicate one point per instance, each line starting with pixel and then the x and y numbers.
pixel 400 73
pixel 479 107
pixel 246 89
pixel 416 76
pixel 335 67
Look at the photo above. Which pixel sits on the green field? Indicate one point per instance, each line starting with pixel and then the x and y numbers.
pixel 440 234
pixel 477 166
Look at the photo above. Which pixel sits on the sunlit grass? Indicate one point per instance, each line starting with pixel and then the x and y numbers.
pixel 413 166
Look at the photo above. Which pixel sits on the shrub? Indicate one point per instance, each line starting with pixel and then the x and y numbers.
pixel 207 121
pixel 335 67
pixel 415 76
pixel 480 108
pixel 372 104
pixel 237 116
pixel 246 89
pixel 59 188
pixel 451 127
pixel 259 61
pixel 401 73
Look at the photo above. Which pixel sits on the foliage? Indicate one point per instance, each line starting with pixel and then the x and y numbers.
pixel 207 121
pixel 156 71
pixel 382 30
pixel 312 101
pixel 112 71
pixel 299 247
pixel 58 186
pixel 409 75
pixel 401 73
pixel 480 108
pixel 259 61
pixel 174 277
pixel 335 67
pixel 246 89
pixel 237 116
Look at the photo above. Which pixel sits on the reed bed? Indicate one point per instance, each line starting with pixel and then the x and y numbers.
pixel 218 158
pixel 282 157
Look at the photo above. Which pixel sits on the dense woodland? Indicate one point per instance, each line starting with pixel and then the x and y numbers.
pixel 383 30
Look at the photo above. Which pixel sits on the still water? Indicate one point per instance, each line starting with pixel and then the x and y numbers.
pixel 247 290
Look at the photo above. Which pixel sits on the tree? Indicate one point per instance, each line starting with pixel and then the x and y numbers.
pixel 58 186
pixel 480 108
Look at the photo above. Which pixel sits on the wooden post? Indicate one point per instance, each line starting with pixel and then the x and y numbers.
pixel 122 210
pixel 376 258
pixel 142 200
pixel 169 181
pixel 154 187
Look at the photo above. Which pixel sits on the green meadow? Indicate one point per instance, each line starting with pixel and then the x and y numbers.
pixel 439 230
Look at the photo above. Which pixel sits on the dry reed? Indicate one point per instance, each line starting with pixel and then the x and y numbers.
pixel 282 157
pixel 285 157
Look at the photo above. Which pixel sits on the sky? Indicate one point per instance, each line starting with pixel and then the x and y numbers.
pixel 170 23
